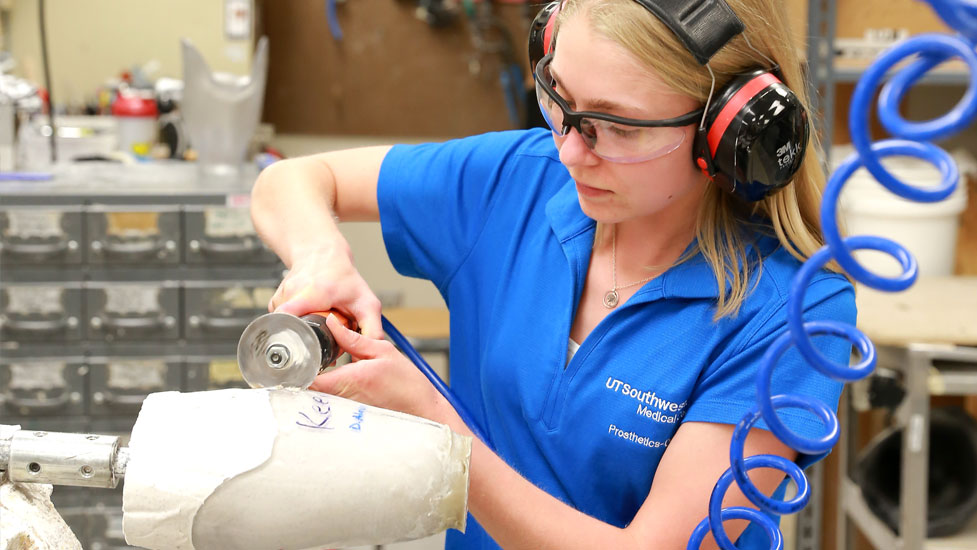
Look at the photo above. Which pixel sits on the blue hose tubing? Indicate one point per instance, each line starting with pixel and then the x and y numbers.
pixel 829 224
pixel 894 91
pixel 958 14
pixel 334 29
pixel 934 48
pixel 766 409
pixel 405 346
pixel 911 139
pixel 510 79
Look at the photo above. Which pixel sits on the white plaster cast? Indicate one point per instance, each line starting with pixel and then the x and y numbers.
pixel 183 446
pixel 340 474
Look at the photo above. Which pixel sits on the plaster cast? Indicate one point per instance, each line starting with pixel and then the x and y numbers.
pixel 337 473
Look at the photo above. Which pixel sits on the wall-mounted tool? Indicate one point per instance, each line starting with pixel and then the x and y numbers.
pixel 280 349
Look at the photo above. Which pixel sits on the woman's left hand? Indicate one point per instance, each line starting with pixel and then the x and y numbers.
pixel 380 376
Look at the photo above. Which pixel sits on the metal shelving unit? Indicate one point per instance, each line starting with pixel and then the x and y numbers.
pixel 927 370
pixel 826 70
pixel 120 281
pixel 81 256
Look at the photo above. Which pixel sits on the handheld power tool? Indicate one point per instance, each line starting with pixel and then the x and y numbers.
pixel 280 349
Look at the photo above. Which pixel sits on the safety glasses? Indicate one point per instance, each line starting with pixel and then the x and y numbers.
pixel 613 138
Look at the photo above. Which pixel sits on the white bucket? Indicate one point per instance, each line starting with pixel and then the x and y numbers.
pixel 927 230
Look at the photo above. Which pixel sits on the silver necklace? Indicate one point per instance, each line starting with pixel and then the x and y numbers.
pixel 611 297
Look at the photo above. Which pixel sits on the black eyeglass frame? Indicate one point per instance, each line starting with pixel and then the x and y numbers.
pixel 572 119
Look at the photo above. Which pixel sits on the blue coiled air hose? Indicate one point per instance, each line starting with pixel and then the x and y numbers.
pixel 911 139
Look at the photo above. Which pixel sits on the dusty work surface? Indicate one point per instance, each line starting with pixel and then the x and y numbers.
pixel 940 310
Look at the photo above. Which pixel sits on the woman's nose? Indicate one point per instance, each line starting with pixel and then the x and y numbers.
pixel 574 151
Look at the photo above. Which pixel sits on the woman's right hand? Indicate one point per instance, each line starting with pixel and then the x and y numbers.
pixel 326 279
pixel 295 204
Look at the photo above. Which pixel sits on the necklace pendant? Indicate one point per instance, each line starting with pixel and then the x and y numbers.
pixel 611 299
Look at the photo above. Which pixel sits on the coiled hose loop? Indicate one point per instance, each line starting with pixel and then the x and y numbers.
pixel 910 139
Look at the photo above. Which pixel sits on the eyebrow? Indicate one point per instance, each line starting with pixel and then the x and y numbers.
pixel 596 104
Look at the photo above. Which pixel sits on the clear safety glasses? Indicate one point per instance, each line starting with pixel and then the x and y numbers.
pixel 610 137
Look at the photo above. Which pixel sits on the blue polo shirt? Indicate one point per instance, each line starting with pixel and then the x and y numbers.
pixel 494 222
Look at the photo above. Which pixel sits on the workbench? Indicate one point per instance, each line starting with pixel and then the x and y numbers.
pixel 929 335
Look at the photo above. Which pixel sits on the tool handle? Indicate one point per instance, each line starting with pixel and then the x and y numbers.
pixel 346 321
pixel 330 349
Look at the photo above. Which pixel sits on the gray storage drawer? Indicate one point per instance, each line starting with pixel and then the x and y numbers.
pixel 213 373
pixel 105 523
pixel 49 312
pixel 127 236
pixel 32 388
pixel 119 384
pixel 223 310
pixel 223 235
pixel 76 516
pixel 32 236
pixel 132 311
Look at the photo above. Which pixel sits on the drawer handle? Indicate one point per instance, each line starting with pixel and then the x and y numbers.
pixel 220 323
pixel 123 401
pixel 37 405
pixel 38 325
pixel 39 251
pixel 243 247
pixel 131 323
pixel 133 249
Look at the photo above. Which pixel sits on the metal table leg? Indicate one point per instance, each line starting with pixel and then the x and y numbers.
pixel 844 539
pixel 915 451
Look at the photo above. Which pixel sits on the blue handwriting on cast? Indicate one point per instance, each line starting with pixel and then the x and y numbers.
pixel 357 419
pixel 323 412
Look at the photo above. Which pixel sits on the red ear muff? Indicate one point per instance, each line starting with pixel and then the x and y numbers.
pixel 541 33
pixel 755 136
pixel 746 93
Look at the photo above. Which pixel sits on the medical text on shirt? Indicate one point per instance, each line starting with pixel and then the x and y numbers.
pixel 649 404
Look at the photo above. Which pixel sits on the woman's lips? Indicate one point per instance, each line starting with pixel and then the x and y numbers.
pixel 589 191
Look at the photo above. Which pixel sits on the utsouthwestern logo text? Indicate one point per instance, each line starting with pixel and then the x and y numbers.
pixel 650 404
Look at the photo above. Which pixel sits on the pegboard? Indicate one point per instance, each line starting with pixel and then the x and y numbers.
pixel 391 75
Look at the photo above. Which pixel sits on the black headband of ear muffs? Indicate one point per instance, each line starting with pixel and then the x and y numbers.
pixel 703 26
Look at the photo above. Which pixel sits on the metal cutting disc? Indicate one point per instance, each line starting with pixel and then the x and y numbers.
pixel 279 349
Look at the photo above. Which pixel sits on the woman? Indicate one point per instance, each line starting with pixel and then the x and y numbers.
pixel 607 314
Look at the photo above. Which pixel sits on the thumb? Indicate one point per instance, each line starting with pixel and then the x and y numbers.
pixel 336 382
pixel 299 304
pixel 357 345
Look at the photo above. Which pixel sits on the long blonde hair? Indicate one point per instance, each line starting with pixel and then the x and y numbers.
pixel 722 218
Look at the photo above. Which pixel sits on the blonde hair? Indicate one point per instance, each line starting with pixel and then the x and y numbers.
pixel 722 219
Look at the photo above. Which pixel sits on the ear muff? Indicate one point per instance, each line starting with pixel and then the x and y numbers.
pixel 756 131
pixel 541 33
pixel 754 137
